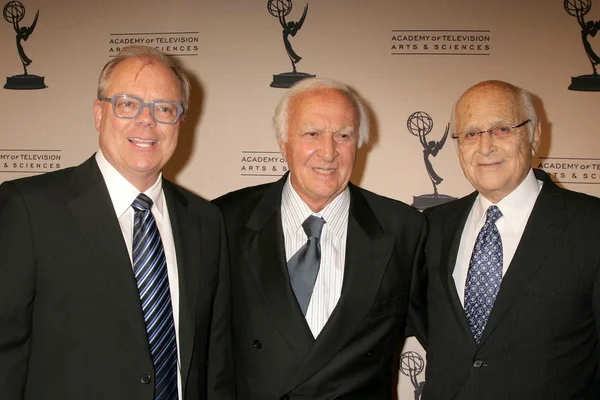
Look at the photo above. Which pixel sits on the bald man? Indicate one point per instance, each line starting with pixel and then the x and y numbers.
pixel 514 291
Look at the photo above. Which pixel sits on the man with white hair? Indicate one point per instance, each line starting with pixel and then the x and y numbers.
pixel 514 284
pixel 321 269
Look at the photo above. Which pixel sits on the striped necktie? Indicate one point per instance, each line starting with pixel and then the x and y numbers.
pixel 150 270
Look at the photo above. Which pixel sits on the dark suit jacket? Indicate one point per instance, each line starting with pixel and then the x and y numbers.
pixel 275 353
pixel 541 339
pixel 71 324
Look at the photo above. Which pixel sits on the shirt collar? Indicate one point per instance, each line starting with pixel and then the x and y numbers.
pixel 515 207
pixel 296 210
pixel 122 192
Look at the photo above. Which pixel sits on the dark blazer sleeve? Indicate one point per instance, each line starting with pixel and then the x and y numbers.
pixel 220 354
pixel 17 291
pixel 417 311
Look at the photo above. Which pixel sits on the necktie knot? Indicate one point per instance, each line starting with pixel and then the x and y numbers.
pixel 493 214
pixel 142 203
pixel 313 226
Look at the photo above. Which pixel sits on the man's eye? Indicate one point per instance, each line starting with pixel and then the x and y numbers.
pixel 125 104
pixel 502 129
pixel 471 134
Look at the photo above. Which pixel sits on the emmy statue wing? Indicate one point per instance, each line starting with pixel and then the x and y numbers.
pixel 32 27
pixel 301 20
pixel 441 142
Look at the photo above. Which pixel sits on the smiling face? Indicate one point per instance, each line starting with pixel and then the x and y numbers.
pixel 321 145
pixel 495 167
pixel 138 148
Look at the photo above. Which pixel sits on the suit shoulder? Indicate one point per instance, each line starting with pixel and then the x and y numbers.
pixel 195 201
pixel 450 207
pixel 585 202
pixel 42 184
pixel 387 206
pixel 245 198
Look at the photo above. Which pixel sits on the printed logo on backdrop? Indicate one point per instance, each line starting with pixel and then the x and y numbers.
pixel 420 124
pixel 171 43
pixel 29 161
pixel 411 364
pixel 262 163
pixel 571 170
pixel 579 9
pixel 14 13
pixel 281 9
pixel 418 42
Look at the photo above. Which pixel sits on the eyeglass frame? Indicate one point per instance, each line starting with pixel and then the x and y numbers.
pixel 491 130
pixel 113 99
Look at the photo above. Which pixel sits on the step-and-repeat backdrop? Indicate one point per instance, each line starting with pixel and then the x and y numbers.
pixel 409 60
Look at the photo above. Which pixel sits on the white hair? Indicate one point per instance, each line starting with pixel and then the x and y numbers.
pixel 282 111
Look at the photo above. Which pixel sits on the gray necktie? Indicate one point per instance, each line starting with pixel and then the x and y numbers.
pixel 303 267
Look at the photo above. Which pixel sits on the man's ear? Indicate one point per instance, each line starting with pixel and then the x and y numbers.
pixel 98 114
pixel 282 147
pixel 537 137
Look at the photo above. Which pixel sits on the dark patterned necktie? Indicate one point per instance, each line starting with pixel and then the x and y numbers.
pixel 485 274
pixel 303 267
pixel 150 269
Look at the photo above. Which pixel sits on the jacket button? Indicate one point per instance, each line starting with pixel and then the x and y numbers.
pixel 369 353
pixel 478 364
pixel 258 345
pixel 146 379
pixel 284 397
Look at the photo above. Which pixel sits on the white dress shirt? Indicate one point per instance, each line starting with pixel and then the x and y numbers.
pixel 122 194
pixel 328 286
pixel 515 208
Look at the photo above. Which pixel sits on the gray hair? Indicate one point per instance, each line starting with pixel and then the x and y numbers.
pixel 145 52
pixel 282 112
pixel 524 103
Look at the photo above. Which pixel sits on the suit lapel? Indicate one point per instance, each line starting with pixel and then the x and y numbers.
pixel 451 236
pixel 94 213
pixel 188 248
pixel 368 250
pixel 548 219
pixel 264 250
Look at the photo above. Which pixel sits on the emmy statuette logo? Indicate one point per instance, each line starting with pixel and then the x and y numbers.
pixel 420 124
pixel 13 13
pixel 578 9
pixel 411 364
pixel 281 9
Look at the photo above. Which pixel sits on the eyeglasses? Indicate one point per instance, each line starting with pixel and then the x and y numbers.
pixel 130 107
pixel 500 132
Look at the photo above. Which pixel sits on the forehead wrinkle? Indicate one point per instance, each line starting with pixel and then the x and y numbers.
pixel 501 103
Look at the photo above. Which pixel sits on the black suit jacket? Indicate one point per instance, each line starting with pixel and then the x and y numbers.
pixel 71 324
pixel 275 353
pixel 541 339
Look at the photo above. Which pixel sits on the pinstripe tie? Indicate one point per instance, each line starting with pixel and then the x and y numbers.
pixel 150 269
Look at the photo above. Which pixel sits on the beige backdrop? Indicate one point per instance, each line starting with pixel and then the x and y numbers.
pixel 401 56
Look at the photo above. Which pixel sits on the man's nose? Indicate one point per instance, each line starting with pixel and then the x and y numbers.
pixel 486 144
pixel 145 117
pixel 327 149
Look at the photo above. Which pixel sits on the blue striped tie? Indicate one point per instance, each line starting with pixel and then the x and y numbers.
pixel 150 269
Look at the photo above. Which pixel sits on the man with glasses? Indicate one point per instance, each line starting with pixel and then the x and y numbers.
pixel 114 281
pixel 514 284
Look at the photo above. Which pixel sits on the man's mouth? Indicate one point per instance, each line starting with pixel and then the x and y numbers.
pixel 142 142
pixel 324 170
